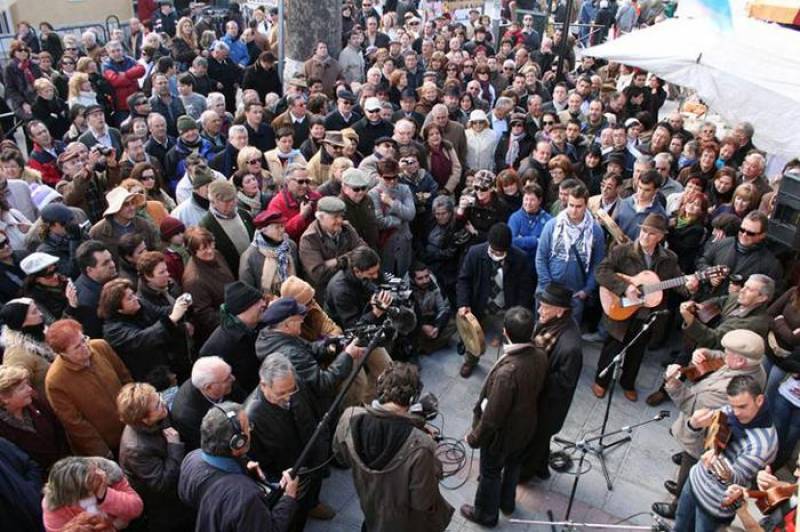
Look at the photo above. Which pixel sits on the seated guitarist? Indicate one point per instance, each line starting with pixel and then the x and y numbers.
pixel 614 273
pixel 743 353
pixel 746 309
pixel 783 515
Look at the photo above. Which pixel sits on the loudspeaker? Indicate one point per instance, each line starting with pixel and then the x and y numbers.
pixel 784 225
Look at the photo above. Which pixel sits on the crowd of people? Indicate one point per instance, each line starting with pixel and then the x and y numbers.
pixel 194 252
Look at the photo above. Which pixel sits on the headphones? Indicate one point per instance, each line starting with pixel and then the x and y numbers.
pixel 239 440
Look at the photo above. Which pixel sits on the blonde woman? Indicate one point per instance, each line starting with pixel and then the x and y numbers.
pixel 80 91
pixel 279 159
pixel 333 186
pixel 184 46
pixel 251 160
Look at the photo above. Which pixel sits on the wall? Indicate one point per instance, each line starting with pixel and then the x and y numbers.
pixel 70 12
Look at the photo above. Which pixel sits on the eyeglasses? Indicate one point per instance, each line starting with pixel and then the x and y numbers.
pixel 370 111
pixel 359 189
pixel 508 68
pixel 748 232
pixel 389 177
pixel 408 161
pixel 345 102
pixel 148 176
pixel 254 161
pixel 49 272
pixel 302 181
pixel 548 122
pixel 67 63
pixel 481 189
pixel 468 65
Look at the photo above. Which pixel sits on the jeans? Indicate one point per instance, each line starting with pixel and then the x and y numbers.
pixel 786 417
pixel 690 517
pixel 497 485
pixel 687 462
pixel 775 376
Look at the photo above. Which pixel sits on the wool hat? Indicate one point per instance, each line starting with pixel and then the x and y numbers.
pixel 657 222
pixel 268 217
pixel 13 313
pixel 331 205
pixel 170 227
pixel 500 237
pixel 240 296
pixel 353 177
pixel 557 295
pixel 185 123
pixel 202 176
pixel 56 212
pixel 745 343
pixel 297 288
pixel 36 262
pixel 281 309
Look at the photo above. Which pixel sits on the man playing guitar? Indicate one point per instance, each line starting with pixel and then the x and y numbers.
pixel 780 510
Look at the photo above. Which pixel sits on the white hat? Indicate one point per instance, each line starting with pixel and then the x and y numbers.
pixel 36 262
pixel 372 104
pixel 478 116
pixel 117 197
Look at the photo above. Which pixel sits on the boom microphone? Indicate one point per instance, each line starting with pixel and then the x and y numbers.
pixel 403 319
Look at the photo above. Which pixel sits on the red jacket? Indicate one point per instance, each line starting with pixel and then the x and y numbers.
pixel 45 163
pixel 122 77
pixel 296 224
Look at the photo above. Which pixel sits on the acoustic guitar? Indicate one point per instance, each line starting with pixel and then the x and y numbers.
pixel 651 290
pixel 718 434
pixel 766 501
pixel 695 372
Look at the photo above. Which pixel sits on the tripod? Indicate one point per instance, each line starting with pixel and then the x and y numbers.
pixel 587 445
pixel 616 367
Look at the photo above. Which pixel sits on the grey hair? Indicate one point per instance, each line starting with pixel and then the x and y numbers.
pixel 404 122
pixel 748 129
pixel 89 35
pixel 200 61
pixel 293 168
pixel 755 156
pixel 214 97
pixel 112 44
pixel 439 108
pixel 504 101
pixel 663 157
pixel 66 483
pixel 206 115
pixel 154 116
pixel 275 366
pixel 216 430
pixel 220 45
pixel 645 160
pixel 294 98
pixel 203 370
pixel 387 105
pixel 443 202
pixel 767 284
pixel 238 128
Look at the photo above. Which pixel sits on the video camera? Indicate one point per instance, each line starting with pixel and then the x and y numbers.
pixel 399 288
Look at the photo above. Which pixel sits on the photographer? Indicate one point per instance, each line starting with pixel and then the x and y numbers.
pixel 434 327
pixel 352 298
pixel 61 236
pixel 88 175
pixel 480 208
pixel 283 322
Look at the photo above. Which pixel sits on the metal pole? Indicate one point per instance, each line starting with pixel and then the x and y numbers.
pixel 281 35
pixel 562 50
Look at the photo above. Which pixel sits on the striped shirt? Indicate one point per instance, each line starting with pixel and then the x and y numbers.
pixel 745 456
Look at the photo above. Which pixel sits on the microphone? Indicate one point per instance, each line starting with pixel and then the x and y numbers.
pixel 403 319
pixel 662 414
pixel 656 313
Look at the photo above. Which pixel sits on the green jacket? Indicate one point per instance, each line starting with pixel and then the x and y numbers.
pixel 755 319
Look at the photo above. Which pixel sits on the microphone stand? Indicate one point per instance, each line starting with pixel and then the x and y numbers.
pixel 275 495
pixel 615 366
pixel 587 445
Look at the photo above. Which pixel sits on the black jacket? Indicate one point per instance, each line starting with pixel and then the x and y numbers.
pixel 224 244
pixel 368 133
pixel 322 383
pixel 526 145
pixel 54 113
pixel 757 259
pixel 474 280
pixel 261 80
pixel 334 121
pixel 147 339
pixel 188 409
pixel 347 300
pixel 20 488
pixel 235 344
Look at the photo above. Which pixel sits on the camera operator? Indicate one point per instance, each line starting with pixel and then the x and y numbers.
pixel 434 327
pixel 397 475
pixel 283 322
pixel 352 297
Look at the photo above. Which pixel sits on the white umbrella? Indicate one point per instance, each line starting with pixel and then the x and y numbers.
pixel 749 74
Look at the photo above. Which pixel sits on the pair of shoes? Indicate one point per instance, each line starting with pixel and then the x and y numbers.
pixel 594 337
pixel 677 458
pixel 466 369
pixel 508 510
pixel 656 398
pixel 664 509
pixel 468 511
pixel 322 512
pixel 672 487
pixel 631 395
pixel 598 390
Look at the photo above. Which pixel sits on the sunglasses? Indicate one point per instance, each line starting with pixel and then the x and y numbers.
pixel 482 189
pixel 358 189
pixel 302 181
pixel 748 232
pixel 148 176
pixel 49 272
pixel 408 161
pixel 254 161
pixel 548 122
pixel 67 63
pixel 389 177
pixel 467 65
pixel 372 110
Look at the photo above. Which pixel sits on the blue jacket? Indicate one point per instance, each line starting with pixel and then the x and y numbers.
pixel 238 53
pixel 629 220
pixel 20 486
pixel 551 269
pixel 526 230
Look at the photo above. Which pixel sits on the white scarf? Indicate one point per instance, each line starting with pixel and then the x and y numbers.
pixel 567 235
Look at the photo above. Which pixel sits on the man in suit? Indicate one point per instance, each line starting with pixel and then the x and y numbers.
pixel 99 132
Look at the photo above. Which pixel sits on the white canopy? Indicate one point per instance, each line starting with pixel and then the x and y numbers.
pixel 749 74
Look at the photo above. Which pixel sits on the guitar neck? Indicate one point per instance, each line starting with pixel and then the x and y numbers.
pixel 664 285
